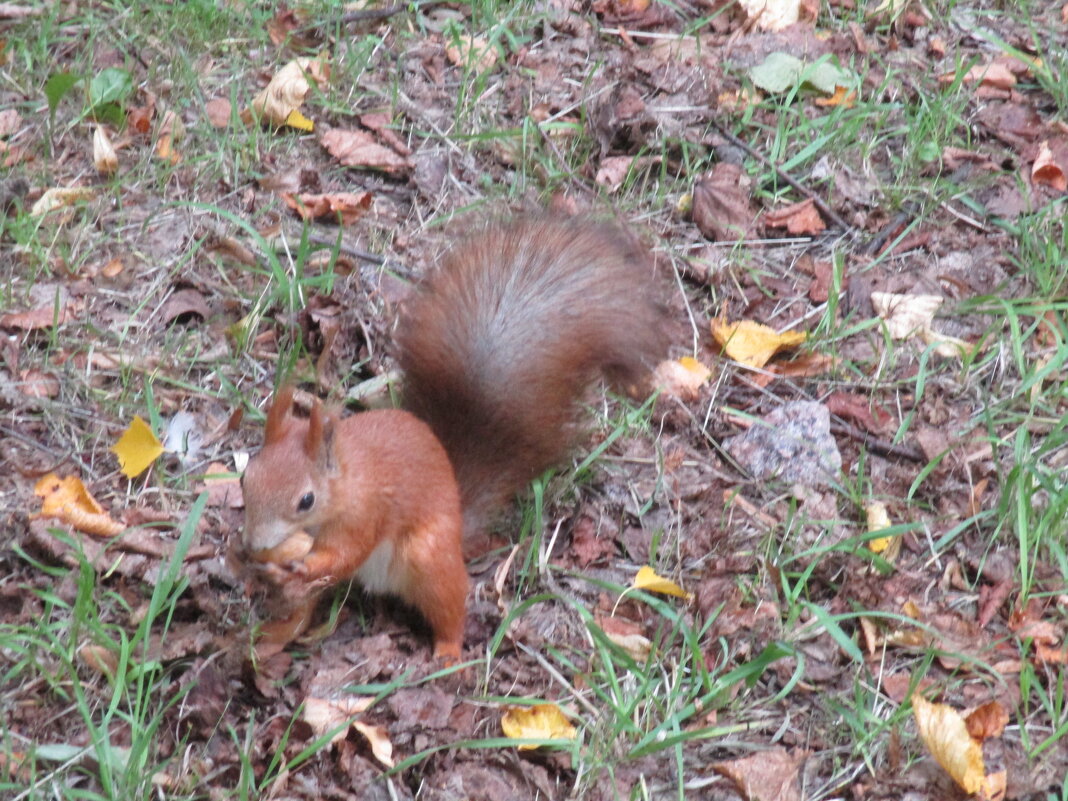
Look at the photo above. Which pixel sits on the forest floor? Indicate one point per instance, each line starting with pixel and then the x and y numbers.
pixel 868 518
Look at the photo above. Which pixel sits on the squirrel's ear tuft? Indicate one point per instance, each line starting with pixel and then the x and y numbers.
pixel 281 407
pixel 320 442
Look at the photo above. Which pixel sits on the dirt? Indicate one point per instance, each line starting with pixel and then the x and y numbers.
pixel 165 318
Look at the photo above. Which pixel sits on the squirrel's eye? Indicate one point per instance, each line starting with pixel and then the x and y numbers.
pixel 306 501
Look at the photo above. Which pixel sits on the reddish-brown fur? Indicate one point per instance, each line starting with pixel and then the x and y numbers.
pixel 497 346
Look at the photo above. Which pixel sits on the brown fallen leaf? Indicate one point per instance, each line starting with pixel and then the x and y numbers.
pixel 721 205
pixel 218 111
pixel 799 219
pixel 181 303
pixel 472 51
pixel 41 317
pixel 771 775
pixel 987 721
pixel 860 409
pixel 996 75
pixel 10 121
pixel 1047 171
pixel 348 207
pixel 359 149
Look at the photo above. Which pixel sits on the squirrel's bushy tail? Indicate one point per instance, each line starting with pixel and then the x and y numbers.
pixel 502 338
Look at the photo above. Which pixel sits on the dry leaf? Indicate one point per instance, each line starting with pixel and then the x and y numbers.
pixel 946 346
pixel 60 197
pixel 171 130
pixel 648 579
pixel 346 206
pixel 359 149
pixel 772 15
pixel 841 97
pixel 378 738
pixel 218 112
pixel 770 775
pixel 799 219
pixel 473 51
pixel 542 722
pixel 753 343
pixel 137 448
pixel 98 658
pixel 286 91
pixel 878 519
pixel 996 75
pixel 324 715
pixel 637 646
pixel 722 209
pixel 41 317
pixel 1047 171
pixel 906 315
pixel 68 500
pixel 945 734
pixel 10 122
pixel 105 159
pixel 681 378
pixel 987 721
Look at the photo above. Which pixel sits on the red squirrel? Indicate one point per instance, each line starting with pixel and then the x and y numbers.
pixel 497 345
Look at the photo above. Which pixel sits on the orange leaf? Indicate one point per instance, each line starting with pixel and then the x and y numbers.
pixel 841 97
pixel 68 500
pixel 987 721
pixel 798 218
pixel 1047 171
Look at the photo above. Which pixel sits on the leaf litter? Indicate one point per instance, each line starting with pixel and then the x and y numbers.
pixel 406 169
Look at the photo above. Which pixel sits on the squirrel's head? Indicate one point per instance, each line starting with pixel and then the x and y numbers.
pixel 287 485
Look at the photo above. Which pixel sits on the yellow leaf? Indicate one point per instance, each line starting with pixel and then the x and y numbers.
pixel 542 722
pixel 60 197
pixel 878 519
pixel 945 734
pixel 753 343
pixel 647 579
pixel 299 121
pixel 68 500
pixel 137 448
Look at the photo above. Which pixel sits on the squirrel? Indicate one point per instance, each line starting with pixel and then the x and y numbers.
pixel 497 346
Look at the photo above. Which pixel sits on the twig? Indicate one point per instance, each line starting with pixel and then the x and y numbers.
pixel 879 446
pixel 826 210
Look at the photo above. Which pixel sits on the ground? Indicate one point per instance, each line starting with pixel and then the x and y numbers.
pixel 852 520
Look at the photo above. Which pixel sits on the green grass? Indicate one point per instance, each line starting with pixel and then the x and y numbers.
pixel 698 693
